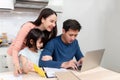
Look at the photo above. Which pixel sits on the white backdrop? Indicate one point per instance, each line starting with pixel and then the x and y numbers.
pixel 100 20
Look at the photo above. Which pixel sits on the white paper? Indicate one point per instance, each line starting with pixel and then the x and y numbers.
pixel 10 77
pixel 50 72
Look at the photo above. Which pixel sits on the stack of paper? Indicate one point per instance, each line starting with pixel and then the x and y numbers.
pixel 10 77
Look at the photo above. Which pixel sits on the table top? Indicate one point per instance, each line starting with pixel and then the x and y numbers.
pixel 98 73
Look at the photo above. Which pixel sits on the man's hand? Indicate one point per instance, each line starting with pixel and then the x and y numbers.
pixel 80 61
pixel 70 64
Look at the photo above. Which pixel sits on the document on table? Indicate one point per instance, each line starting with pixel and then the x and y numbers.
pixel 50 72
pixel 10 77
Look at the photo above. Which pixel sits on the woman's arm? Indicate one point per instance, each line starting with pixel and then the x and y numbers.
pixel 19 41
pixel 18 44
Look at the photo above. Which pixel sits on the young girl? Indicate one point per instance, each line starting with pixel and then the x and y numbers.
pixel 30 54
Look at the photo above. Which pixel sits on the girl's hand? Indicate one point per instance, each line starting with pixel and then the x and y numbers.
pixel 28 67
pixel 46 58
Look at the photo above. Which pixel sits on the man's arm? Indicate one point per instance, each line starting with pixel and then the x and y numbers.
pixel 50 63
pixel 48 51
pixel 57 64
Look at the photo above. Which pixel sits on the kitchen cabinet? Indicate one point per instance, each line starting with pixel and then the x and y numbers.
pixel 6 4
pixel 5 60
pixel 3 63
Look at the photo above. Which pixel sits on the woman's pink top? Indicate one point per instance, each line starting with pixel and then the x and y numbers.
pixel 19 42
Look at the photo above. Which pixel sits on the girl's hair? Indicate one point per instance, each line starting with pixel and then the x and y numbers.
pixel 34 34
pixel 46 12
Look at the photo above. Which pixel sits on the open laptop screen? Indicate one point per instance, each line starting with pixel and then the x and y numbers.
pixel 92 59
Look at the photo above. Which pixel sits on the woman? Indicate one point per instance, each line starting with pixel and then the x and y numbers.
pixel 46 22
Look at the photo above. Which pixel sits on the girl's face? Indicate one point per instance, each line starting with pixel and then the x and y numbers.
pixel 39 44
pixel 50 22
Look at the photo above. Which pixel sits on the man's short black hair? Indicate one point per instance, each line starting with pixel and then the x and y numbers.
pixel 71 24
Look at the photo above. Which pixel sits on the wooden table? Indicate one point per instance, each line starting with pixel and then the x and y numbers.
pixel 98 73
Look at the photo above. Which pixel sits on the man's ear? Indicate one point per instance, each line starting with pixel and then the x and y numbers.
pixel 31 41
pixel 63 31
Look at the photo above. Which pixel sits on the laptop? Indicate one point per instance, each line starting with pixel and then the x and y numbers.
pixel 91 60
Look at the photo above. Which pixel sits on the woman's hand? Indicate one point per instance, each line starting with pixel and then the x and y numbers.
pixel 17 70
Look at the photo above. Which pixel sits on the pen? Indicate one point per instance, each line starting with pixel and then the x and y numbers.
pixel 44 72
pixel 39 70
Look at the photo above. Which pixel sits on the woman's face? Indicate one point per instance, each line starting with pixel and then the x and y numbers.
pixel 50 22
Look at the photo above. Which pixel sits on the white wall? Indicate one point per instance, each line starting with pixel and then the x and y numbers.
pixel 91 15
pixel 112 38
pixel 11 21
pixel 99 20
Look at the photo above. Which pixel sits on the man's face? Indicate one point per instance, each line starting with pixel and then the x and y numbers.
pixel 69 36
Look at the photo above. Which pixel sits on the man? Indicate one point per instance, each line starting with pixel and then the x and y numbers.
pixel 63 48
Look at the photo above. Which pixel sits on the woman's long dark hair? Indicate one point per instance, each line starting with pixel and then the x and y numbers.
pixel 46 12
